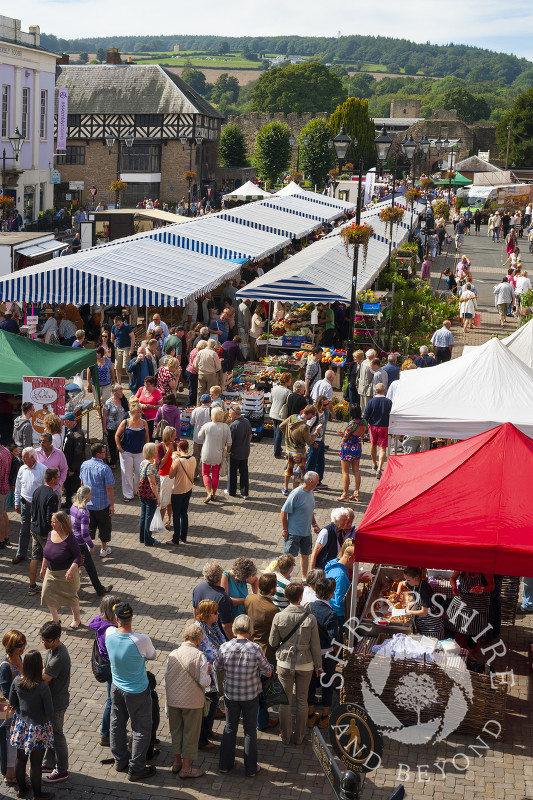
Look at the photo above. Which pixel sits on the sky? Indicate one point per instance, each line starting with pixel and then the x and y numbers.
pixel 490 25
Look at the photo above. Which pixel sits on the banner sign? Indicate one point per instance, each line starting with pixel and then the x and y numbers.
pixel 62 112
pixel 47 396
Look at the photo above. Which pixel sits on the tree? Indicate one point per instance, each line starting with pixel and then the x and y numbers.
pixel 225 84
pixel 298 87
pixel 520 118
pixel 272 151
pixel 416 692
pixel 232 147
pixel 101 55
pixel 361 85
pixel 195 78
pixel 224 47
pixel 316 158
pixel 354 114
pixel 83 58
pixel 469 107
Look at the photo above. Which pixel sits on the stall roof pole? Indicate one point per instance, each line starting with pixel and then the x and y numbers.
pixel 353 604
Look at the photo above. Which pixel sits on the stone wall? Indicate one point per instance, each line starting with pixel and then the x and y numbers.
pixel 250 124
pixel 406 107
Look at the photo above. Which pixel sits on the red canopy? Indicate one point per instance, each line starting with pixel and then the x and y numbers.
pixel 463 507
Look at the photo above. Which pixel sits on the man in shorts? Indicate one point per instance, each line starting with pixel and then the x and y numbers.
pixel 123 338
pixel 297 516
pixel 377 414
pixel 297 437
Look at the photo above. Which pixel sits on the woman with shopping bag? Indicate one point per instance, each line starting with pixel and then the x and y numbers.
pixel 148 494
pixel 467 306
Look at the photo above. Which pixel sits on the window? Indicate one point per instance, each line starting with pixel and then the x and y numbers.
pixel 73 120
pixel 5 112
pixel 141 157
pixel 25 127
pixel 149 119
pixel 75 155
pixel 44 109
pixel 140 191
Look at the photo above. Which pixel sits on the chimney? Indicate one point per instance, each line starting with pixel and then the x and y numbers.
pixel 64 58
pixel 35 31
pixel 113 56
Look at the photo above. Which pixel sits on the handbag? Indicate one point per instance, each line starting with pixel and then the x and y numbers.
pixel 207 700
pixel 284 411
pixel 157 523
pixel 272 693
pixel 100 665
pixel 160 427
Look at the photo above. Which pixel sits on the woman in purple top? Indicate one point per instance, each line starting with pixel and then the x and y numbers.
pixel 169 411
pixel 79 518
pixel 100 624
pixel 61 569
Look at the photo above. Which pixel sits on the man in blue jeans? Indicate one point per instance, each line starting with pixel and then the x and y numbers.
pixel 243 663
pixel 297 516
pixel 130 694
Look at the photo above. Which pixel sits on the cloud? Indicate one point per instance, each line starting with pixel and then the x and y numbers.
pixel 476 24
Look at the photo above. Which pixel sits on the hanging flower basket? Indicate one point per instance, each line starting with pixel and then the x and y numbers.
pixel 348 166
pixel 427 183
pixel 357 235
pixel 190 175
pixel 450 176
pixel 297 177
pixel 118 186
pixel 7 202
pixel 412 195
pixel 333 172
pixel 391 215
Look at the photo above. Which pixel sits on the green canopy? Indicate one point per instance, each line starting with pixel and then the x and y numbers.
pixel 21 357
pixel 459 180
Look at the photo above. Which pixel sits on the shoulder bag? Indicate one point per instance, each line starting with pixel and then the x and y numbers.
pixel 100 665
pixel 160 427
pixel 207 700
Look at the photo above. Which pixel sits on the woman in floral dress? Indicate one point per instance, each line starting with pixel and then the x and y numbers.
pixel 350 453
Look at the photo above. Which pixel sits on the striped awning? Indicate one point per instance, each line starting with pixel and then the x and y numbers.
pixel 300 205
pixel 262 217
pixel 133 273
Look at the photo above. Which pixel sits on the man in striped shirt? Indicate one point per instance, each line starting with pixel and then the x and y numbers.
pixel 443 341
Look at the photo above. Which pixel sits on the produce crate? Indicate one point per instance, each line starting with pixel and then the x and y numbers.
pixel 185 429
pixel 257 433
pixel 293 341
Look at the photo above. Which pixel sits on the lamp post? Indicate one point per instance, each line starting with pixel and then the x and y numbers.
pixel 197 140
pixel 341 142
pixel 16 140
pixel 110 141
pixel 292 141
pixel 383 144
pixel 447 145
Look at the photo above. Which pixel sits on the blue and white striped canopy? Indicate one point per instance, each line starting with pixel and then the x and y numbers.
pixel 260 216
pixel 216 237
pixel 299 204
pixel 133 273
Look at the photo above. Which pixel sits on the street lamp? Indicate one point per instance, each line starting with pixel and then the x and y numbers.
pixel 383 144
pixel 341 142
pixel 16 141
pixel 110 140
pixel 451 146
pixel 409 147
pixel 191 141
pixel 292 141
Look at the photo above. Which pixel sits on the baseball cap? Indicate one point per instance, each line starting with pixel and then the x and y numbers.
pixel 123 611
pixel 205 398
pixel 68 416
pixel 180 328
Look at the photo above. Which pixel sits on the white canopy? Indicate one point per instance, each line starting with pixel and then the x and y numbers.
pixel 465 396
pixel 289 189
pixel 133 273
pixel 261 216
pixel 248 191
pixel 301 205
pixel 520 343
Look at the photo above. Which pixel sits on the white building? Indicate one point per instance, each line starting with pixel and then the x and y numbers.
pixel 27 79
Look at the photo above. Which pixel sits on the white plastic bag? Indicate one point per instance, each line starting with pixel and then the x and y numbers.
pixel 157 524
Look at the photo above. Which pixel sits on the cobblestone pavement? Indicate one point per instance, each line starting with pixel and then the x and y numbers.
pixel 159 584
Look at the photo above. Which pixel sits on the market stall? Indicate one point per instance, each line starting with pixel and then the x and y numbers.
pixel 519 343
pixel 490 536
pixel 483 389
pixel 249 191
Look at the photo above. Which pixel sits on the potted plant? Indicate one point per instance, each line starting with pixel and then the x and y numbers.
pixel 392 215
pixel 357 235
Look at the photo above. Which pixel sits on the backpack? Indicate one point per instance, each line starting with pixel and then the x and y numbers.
pixel 100 665
pixel 160 427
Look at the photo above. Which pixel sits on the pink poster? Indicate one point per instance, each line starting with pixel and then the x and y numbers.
pixel 62 112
